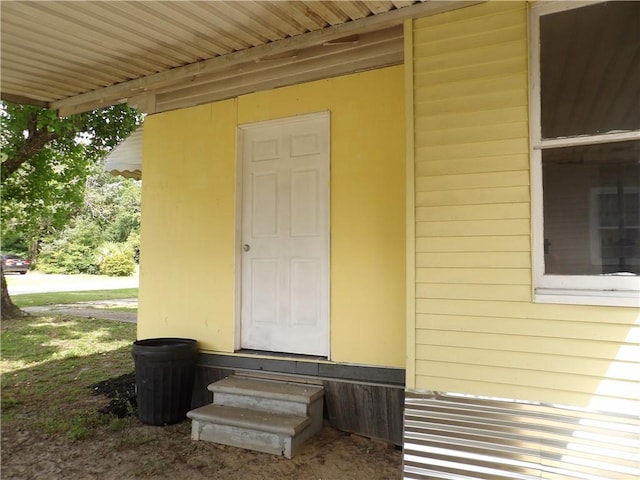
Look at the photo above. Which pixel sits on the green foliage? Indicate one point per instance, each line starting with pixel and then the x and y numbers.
pixel 13 242
pixel 134 243
pixel 110 212
pixel 45 163
pixel 114 204
pixel 116 259
pixel 73 249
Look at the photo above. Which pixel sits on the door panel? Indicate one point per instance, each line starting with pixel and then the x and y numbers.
pixel 264 217
pixel 285 236
pixel 304 203
pixel 264 285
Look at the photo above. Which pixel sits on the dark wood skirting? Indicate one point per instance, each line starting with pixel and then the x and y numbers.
pixel 368 401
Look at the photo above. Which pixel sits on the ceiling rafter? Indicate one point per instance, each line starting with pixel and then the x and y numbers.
pixel 84 55
pixel 144 86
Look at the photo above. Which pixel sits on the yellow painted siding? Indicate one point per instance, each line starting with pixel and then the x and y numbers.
pixel 189 192
pixel 477 328
pixel 188 222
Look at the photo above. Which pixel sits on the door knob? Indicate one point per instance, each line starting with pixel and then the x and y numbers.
pixel 246 247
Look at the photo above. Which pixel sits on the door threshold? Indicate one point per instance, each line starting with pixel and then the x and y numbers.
pixel 283 355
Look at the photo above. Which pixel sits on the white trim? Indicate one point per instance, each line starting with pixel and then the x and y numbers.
pixel 535 109
pixel 240 131
pixel 587 140
pixel 410 207
pixel 594 283
pixel 553 6
pixel 537 216
pixel 237 340
pixel 585 297
pixel 613 290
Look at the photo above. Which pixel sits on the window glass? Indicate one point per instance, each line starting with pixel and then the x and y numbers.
pixel 590 70
pixel 592 209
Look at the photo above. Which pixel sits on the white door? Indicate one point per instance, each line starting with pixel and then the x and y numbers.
pixel 285 235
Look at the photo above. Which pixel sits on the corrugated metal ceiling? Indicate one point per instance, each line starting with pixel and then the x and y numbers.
pixel 81 55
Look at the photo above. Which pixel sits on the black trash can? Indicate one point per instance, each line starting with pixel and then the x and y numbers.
pixel 165 369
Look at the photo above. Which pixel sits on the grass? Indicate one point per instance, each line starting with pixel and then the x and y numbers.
pixel 56 298
pixel 39 354
pixel 122 309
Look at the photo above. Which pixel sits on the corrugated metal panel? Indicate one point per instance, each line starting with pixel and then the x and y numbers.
pixel 52 50
pixel 78 56
pixel 467 438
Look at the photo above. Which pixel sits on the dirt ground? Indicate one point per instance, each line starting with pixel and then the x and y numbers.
pixel 127 449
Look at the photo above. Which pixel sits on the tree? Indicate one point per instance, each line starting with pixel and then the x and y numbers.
pixel 45 162
pixel 109 214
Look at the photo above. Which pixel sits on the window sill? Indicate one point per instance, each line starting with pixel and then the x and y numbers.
pixel 611 298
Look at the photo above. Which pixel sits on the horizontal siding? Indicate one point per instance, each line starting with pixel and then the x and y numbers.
pixel 501 389
pixel 466 119
pixel 466 23
pixel 477 260
pixel 463 150
pixel 489 243
pixel 553 329
pixel 470 181
pixel 475 292
pixel 474 228
pixel 620 396
pixel 477 329
pixel 542 361
pixel 473 197
pixel 479 276
pixel 492 342
pixel 527 311
pixel 498 163
pixel 482 133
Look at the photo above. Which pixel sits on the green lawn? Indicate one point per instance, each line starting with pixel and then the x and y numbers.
pixel 55 298
pixel 42 354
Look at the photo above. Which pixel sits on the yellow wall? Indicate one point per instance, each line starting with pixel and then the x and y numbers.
pixel 477 330
pixel 188 215
pixel 187 275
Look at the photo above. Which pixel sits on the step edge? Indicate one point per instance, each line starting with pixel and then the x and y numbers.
pixel 215 414
pixel 250 389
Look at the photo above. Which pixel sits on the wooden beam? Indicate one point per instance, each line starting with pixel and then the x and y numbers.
pixel 260 80
pixel 19 99
pixel 123 91
pixel 145 102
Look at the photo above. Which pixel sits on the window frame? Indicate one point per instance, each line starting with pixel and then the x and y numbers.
pixel 613 290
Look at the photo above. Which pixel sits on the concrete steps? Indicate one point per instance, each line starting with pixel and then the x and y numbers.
pixel 267 416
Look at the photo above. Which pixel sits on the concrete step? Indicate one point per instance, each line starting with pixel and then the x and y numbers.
pixel 262 415
pixel 273 433
pixel 251 419
pixel 266 395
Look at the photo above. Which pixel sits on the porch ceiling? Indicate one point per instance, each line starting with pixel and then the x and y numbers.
pixel 75 56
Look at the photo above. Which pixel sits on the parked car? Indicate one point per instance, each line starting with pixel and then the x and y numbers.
pixel 14 263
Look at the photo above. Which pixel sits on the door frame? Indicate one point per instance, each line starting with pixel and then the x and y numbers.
pixel 240 132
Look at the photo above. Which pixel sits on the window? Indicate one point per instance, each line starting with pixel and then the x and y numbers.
pixel 586 152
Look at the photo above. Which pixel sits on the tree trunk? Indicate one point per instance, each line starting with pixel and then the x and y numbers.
pixel 8 309
pixel 35 142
